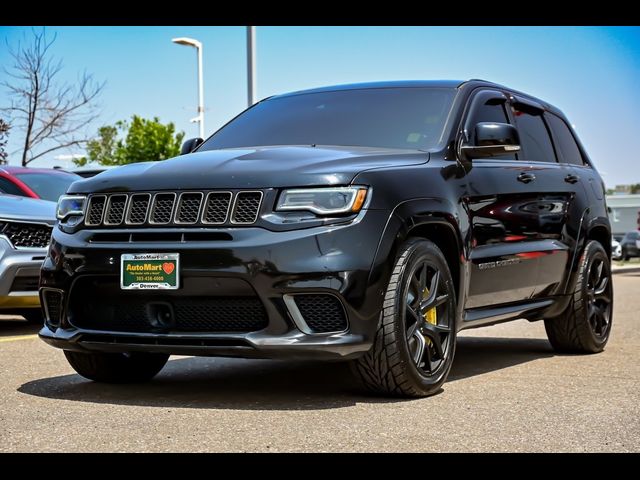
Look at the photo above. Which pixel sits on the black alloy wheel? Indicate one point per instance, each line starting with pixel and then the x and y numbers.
pixel 585 325
pixel 414 345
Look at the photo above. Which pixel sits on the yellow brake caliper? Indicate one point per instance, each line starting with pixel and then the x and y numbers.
pixel 431 315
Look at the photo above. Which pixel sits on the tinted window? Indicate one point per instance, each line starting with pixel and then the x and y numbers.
pixel 488 112
pixel 534 138
pixel 7 186
pixel 49 186
pixel 411 118
pixel 566 144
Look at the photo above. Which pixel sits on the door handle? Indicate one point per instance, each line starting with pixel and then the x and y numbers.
pixel 526 177
pixel 571 178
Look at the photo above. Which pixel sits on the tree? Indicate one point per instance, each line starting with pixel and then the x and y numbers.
pixel 51 114
pixel 144 140
pixel 4 133
pixel 634 188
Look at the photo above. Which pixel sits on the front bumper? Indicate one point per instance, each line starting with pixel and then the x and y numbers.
pixel 19 270
pixel 336 260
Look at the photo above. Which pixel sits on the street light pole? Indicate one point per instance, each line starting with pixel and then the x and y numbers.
pixel 190 42
pixel 251 65
pixel 200 93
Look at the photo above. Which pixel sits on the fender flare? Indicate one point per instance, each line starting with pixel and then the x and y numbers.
pixel 405 217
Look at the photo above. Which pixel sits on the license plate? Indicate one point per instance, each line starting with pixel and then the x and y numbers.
pixel 149 271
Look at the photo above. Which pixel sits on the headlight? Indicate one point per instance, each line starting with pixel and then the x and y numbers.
pixel 323 201
pixel 70 205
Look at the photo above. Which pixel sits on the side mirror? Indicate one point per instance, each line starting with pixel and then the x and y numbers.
pixel 493 139
pixel 190 145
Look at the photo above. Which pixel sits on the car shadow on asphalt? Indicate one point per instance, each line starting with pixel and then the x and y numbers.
pixel 479 355
pixel 241 384
pixel 16 326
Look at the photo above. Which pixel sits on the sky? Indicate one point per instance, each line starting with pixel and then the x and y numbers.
pixel 591 73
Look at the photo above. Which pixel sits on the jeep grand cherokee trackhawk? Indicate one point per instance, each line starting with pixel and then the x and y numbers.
pixel 366 222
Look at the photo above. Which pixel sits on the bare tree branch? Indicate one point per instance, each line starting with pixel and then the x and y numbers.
pixel 50 114
pixel 70 143
pixel 4 129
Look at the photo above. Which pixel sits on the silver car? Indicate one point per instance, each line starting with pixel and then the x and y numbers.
pixel 25 230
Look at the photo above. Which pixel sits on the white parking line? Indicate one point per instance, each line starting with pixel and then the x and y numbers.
pixel 18 337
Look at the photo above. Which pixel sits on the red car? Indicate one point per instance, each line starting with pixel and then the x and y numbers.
pixel 43 183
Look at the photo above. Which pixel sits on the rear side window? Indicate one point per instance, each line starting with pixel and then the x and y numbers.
pixel 565 142
pixel 7 186
pixel 535 143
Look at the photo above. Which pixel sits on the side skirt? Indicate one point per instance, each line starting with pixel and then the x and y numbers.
pixel 480 317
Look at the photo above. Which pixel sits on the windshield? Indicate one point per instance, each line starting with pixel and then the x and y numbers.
pixel 407 118
pixel 48 186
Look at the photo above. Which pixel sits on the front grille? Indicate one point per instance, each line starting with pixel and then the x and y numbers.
pixel 189 207
pixel 322 313
pixel 188 314
pixel 168 237
pixel 115 209
pixel 239 314
pixel 25 284
pixel 246 207
pixel 27 235
pixel 174 208
pixel 95 210
pixel 52 303
pixel 162 208
pixel 138 206
pixel 216 207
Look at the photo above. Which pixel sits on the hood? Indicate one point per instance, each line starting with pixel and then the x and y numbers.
pixel 27 209
pixel 264 167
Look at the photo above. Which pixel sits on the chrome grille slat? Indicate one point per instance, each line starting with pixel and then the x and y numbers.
pixel 178 208
pixel 116 206
pixel 216 208
pixel 188 209
pixel 162 209
pixel 246 207
pixel 95 210
pixel 138 208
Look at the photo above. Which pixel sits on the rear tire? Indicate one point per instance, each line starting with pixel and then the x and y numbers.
pixel 415 341
pixel 132 367
pixel 585 325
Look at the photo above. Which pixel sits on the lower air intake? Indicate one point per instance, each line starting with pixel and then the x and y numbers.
pixel 52 304
pixel 322 313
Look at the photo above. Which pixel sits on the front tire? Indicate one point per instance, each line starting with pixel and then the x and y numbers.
pixel 414 344
pixel 132 367
pixel 585 325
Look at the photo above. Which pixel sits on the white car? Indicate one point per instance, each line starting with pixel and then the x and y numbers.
pixel 616 249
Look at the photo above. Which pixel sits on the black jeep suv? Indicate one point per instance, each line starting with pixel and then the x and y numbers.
pixel 367 223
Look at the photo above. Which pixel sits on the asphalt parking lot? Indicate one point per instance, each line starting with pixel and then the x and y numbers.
pixel 507 392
